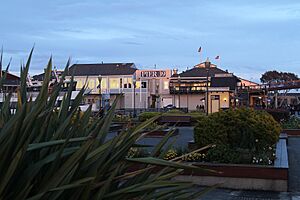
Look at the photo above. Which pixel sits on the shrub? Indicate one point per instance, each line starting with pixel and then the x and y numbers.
pixel 279 114
pixel 291 123
pixel 147 115
pixel 236 132
pixel 175 111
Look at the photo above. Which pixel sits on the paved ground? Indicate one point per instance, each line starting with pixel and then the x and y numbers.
pixel 185 134
pixel 222 194
pixel 294 163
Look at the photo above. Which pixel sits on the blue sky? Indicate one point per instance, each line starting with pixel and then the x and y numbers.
pixel 250 36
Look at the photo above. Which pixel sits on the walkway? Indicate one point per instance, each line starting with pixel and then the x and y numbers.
pixel 294 163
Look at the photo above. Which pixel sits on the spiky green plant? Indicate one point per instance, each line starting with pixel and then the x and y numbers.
pixel 50 152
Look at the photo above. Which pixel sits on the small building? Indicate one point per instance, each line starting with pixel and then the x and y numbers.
pixel 190 87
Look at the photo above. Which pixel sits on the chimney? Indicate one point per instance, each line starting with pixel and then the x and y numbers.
pixel 175 71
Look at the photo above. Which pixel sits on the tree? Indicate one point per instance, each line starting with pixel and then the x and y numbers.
pixel 270 77
pixel 277 77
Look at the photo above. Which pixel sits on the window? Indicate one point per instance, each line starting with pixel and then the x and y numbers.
pixel 127 82
pixel 138 84
pixel 91 84
pixel 144 84
pixel 79 84
pixel 114 83
pixel 166 85
pixel 103 83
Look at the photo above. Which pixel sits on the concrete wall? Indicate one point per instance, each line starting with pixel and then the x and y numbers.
pixel 238 183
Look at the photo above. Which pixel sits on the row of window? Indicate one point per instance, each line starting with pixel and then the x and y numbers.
pixel 114 83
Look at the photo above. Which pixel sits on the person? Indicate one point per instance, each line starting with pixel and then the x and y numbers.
pixel 263 105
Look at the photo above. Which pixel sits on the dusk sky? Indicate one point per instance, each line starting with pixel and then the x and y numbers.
pixel 250 37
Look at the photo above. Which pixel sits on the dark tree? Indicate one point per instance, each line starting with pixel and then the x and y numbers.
pixel 270 77
pixel 277 77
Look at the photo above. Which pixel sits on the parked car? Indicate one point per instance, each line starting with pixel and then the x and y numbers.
pixel 169 107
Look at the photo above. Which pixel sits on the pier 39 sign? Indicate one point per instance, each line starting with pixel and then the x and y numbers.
pixel 153 74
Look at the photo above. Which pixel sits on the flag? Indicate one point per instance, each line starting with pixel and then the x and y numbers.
pixel 29 80
pixel 217 57
pixel 199 50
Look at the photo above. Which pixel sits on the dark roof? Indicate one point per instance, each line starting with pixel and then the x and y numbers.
pixel 104 69
pixel 201 72
pixel 230 82
pixel 10 76
pixel 40 77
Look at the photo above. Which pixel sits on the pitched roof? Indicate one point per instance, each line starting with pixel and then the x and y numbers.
pixel 104 69
pixel 201 72
pixel 40 77
pixel 10 76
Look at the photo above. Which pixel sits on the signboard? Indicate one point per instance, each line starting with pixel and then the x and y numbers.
pixel 153 74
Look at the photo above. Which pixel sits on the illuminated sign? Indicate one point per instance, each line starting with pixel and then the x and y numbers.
pixel 152 74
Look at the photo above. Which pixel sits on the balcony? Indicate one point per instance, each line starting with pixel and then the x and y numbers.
pixel 187 90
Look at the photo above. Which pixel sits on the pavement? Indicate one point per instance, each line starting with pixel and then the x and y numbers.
pixel 294 163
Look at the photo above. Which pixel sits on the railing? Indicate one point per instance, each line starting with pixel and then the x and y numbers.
pixel 187 90
pixel 129 111
pixel 274 86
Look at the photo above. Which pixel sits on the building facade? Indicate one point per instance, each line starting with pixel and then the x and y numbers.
pixel 189 88
pixel 105 82
pixel 155 88
pixel 158 93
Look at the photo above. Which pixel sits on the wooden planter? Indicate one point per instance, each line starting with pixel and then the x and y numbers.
pixel 291 132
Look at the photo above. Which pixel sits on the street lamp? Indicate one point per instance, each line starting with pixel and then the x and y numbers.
pixel 100 95
pixel 207 66
pixel 157 97
pixel 134 86
pixel 179 79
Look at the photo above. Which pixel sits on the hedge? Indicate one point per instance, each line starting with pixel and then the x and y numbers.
pixel 237 132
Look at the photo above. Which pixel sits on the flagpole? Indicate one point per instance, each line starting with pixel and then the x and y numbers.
pixel 199 50
pixel 218 60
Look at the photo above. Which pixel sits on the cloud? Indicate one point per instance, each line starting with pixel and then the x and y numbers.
pixel 259 34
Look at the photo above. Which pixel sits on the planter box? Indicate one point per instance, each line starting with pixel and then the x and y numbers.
pixel 291 132
pixel 178 120
pixel 250 177
pixel 161 133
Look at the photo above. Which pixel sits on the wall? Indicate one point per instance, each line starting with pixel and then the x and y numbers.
pixel 224 100
pixel 191 101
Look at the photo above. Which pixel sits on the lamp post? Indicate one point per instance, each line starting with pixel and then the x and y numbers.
pixel 134 86
pixel 156 95
pixel 179 79
pixel 187 98
pixel 100 95
pixel 207 66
